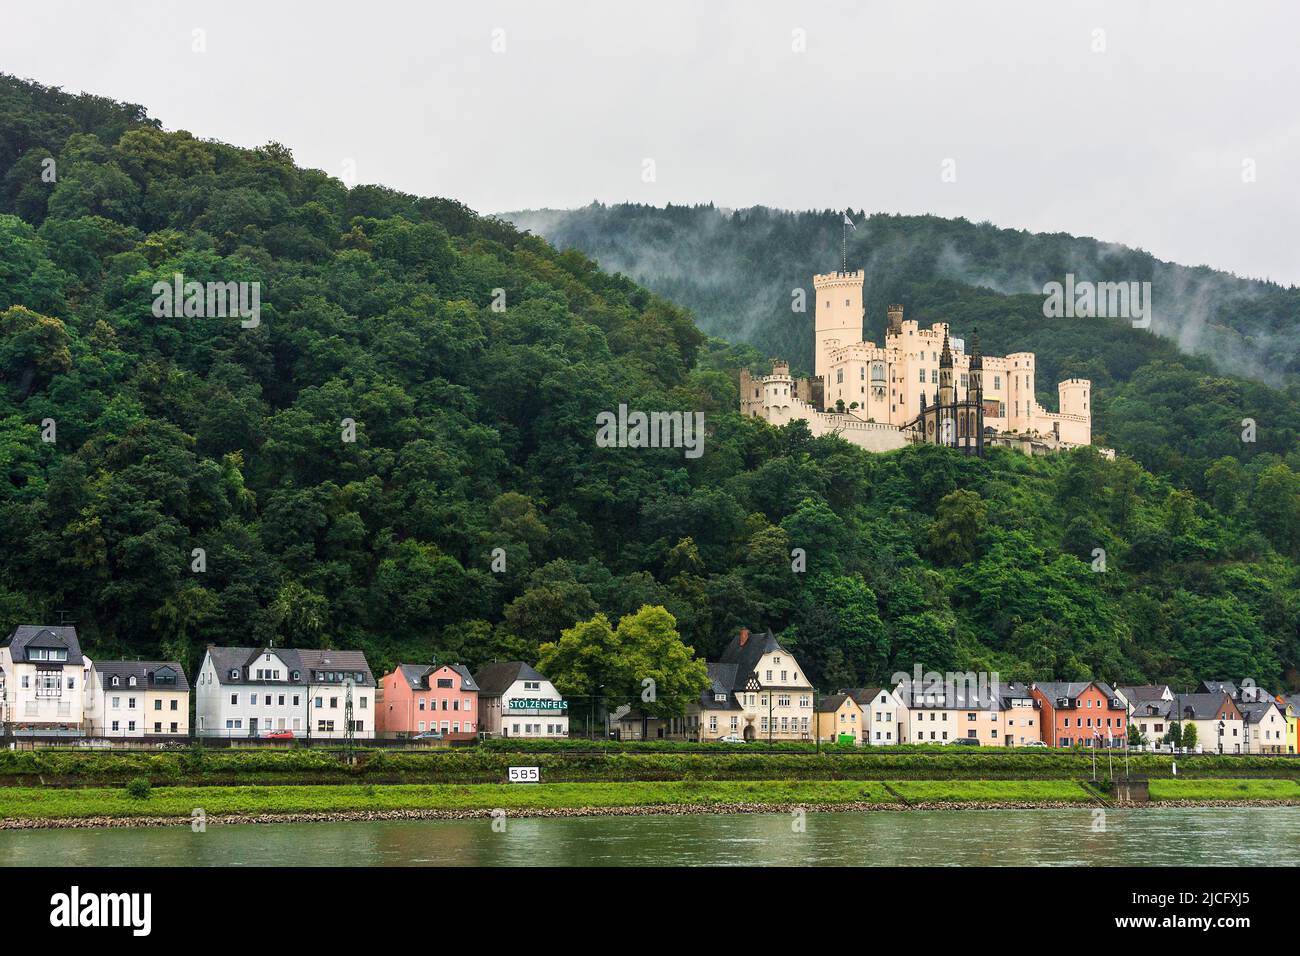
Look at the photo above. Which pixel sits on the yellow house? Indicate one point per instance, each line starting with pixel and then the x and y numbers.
pixel 1290 707
pixel 838 716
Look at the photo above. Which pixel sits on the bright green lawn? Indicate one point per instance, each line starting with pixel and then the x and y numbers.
pixel 1224 790
pixel 36 803
pixel 961 791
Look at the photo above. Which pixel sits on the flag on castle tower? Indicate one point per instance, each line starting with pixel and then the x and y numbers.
pixel 849 222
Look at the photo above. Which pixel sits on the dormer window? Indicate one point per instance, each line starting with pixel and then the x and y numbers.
pixel 295 675
pixel 116 680
pixel 130 681
pixel 234 673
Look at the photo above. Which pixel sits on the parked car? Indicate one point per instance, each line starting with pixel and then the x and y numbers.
pixel 964 742
pixel 280 735
pixel 1035 743
pixel 731 739
pixel 428 735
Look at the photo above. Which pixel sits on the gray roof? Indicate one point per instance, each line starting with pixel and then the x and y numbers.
pixel 1253 711
pixel 305 661
pixel 1153 707
pixel 976 699
pixel 1071 689
pixel 1215 686
pixel 144 672
pixel 722 680
pixel 1137 692
pixel 417 675
pixel 27 636
pixel 1200 706
pixel 495 679
pixel 863 695
pixel 832 702
pixel 746 655
pixel 1012 690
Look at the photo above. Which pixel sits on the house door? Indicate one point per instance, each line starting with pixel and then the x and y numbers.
pixel 252 726
pixel 749 732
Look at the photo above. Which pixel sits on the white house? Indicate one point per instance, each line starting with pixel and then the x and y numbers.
pixel 138 699
pixel 43 680
pixel 882 714
pixel 517 701
pixel 255 692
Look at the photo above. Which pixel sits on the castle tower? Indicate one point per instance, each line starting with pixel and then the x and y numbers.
pixel 895 326
pixel 838 317
pixel 1022 408
pixel 1074 395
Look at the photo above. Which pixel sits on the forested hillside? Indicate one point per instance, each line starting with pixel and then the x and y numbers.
pixel 1174 411
pixel 736 269
pixel 474 430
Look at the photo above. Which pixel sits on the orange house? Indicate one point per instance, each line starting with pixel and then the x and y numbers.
pixel 428 699
pixel 1086 713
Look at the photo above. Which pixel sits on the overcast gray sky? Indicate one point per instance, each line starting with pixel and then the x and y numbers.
pixel 1149 141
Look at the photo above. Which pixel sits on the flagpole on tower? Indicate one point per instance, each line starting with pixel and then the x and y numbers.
pixel 845 225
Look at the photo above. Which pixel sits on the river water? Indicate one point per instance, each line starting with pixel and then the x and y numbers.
pixel 1057 837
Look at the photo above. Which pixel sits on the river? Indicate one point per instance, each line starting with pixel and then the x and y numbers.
pixel 1057 837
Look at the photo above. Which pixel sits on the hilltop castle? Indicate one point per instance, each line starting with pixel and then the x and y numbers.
pixel 921 386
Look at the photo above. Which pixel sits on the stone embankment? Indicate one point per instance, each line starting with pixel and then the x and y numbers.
pixel 653 810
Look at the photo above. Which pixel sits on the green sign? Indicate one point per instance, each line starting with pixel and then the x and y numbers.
pixel 524 703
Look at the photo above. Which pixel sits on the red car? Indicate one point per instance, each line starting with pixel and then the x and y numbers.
pixel 280 735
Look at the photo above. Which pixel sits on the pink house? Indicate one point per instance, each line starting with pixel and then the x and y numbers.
pixel 428 698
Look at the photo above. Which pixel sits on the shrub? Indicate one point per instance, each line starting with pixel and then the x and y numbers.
pixel 139 788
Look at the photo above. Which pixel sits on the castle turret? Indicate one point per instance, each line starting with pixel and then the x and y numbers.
pixel 895 326
pixel 1074 396
pixel 947 389
pixel 838 317
pixel 975 391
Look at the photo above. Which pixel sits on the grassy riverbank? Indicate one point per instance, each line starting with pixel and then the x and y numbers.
pixel 32 804
pixel 1201 790
pixel 484 765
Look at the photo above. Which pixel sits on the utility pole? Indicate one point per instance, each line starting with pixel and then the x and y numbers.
pixel 349 730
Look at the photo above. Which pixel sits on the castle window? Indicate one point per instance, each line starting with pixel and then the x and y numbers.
pixel 965 380
pixel 839 375
pixel 922 376
pixel 997 382
pixel 934 376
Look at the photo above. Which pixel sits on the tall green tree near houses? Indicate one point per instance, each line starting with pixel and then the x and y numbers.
pixel 642 662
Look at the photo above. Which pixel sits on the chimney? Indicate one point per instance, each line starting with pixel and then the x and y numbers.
pixel 744 636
